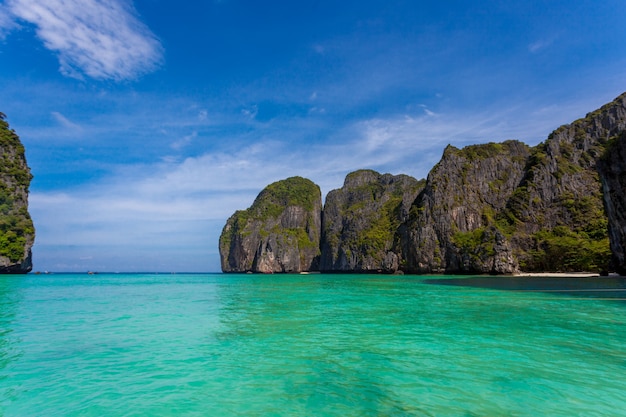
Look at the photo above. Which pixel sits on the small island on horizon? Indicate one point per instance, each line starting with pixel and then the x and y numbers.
pixel 495 208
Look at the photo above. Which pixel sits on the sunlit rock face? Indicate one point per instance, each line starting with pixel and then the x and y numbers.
pixel 500 208
pixel 451 227
pixel 496 208
pixel 280 232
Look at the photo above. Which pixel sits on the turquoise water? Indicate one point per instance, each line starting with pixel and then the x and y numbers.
pixel 304 345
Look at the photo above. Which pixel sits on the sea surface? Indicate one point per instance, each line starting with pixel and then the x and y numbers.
pixel 310 345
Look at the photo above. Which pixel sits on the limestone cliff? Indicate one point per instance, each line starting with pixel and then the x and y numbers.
pixel 361 220
pixel 556 217
pixel 493 208
pixel 451 223
pixel 609 124
pixel 613 171
pixel 280 232
pixel 17 233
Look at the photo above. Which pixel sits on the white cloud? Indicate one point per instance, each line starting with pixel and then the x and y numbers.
pixel 184 141
pixel 540 45
pixel 102 39
pixel 6 22
pixel 162 212
pixel 250 112
pixel 173 204
pixel 65 122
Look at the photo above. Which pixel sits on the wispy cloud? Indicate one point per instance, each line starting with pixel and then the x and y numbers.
pixel 7 22
pixel 64 121
pixel 102 39
pixel 180 207
pixel 184 141
pixel 540 45
pixel 168 209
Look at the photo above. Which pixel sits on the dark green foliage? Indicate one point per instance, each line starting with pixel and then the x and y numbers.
pixel 294 191
pixel 474 242
pixel 379 234
pixel 373 213
pixel 568 231
pixel 8 138
pixel 564 250
pixel 482 151
pixel 12 245
pixel 16 226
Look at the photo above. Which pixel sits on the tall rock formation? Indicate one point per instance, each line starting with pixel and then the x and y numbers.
pixel 498 207
pixel 280 232
pixel 556 216
pixel 451 224
pixel 495 208
pixel 613 171
pixel 610 122
pixel 17 233
pixel 361 220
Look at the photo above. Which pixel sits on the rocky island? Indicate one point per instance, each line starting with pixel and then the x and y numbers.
pixel 494 208
pixel 280 232
pixel 17 233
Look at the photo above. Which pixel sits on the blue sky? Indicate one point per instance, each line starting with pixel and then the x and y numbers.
pixel 148 123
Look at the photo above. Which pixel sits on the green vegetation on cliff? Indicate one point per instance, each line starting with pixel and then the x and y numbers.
pixel 280 232
pixel 557 214
pixel 16 227
pixel 361 221
pixel 488 208
pixel 294 191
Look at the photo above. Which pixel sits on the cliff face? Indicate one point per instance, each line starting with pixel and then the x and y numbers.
pixel 610 122
pixel 556 216
pixel 361 221
pixel 493 208
pixel 17 233
pixel 280 232
pixel 451 223
pixel 613 172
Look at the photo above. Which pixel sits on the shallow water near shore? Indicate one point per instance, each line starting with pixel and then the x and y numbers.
pixel 306 345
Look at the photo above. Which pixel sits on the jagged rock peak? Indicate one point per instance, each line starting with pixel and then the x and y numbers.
pixel 450 224
pixel 361 221
pixel 17 233
pixel 280 232
pixel 490 208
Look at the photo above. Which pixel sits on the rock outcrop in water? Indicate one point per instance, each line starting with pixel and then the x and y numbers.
pixel 361 221
pixel 451 227
pixel 494 208
pixel 17 233
pixel 280 232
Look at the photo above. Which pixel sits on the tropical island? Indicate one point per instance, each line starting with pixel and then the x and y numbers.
pixel 497 208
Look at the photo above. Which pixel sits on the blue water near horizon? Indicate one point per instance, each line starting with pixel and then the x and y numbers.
pixel 308 345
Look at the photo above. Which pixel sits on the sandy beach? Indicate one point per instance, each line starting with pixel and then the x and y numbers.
pixel 559 274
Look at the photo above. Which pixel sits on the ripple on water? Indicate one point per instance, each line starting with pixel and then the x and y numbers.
pixel 291 345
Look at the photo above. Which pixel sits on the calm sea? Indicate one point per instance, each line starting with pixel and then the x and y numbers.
pixel 309 345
